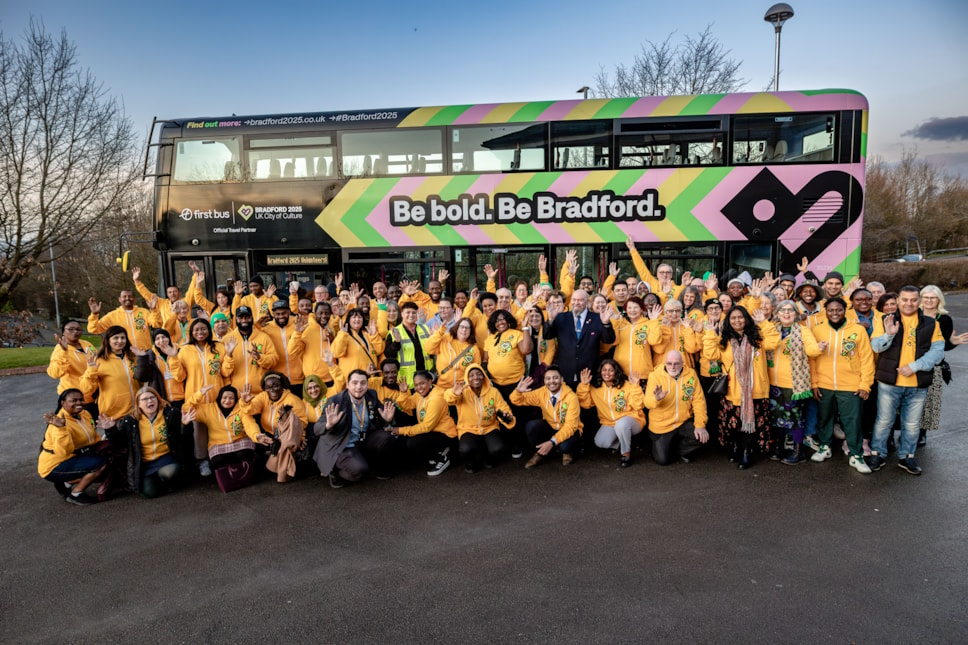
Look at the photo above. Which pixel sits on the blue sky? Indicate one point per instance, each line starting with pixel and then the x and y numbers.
pixel 183 59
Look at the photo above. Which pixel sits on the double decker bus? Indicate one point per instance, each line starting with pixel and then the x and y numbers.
pixel 744 181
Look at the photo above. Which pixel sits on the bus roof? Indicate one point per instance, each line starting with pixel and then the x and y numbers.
pixel 538 111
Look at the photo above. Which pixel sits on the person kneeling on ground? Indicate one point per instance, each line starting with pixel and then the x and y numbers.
pixel 559 425
pixel 155 441
pixel 431 439
pixel 673 395
pixel 353 437
pixel 231 451
pixel 620 405
pixel 480 407
pixel 283 418
pixel 67 456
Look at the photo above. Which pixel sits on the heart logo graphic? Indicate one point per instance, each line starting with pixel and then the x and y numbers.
pixel 245 211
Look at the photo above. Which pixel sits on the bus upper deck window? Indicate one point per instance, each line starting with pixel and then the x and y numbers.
pixel 207 161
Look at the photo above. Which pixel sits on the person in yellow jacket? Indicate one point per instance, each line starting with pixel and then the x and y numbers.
pixel 287 337
pixel 136 321
pixel 790 371
pixel 480 407
pixel 560 423
pixel 259 299
pixel 201 362
pixel 841 377
pixel 480 315
pixel 177 324
pixel 68 361
pixel 231 435
pixel 165 306
pixel 620 405
pixel 65 456
pixel 454 350
pixel 434 434
pixel 632 350
pixel 671 334
pixel 318 338
pixel 272 409
pixel 741 350
pixel 677 410
pixel 664 286
pixel 110 372
pixel 249 352
pixel 357 346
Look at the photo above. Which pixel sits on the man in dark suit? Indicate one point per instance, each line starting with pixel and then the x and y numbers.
pixel 353 437
pixel 580 333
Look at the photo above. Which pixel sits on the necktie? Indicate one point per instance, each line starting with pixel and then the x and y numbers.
pixel 554 400
pixel 578 325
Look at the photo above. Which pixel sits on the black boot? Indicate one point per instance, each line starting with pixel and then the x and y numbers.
pixel 734 453
pixel 745 460
pixel 922 438
pixel 776 443
pixel 795 456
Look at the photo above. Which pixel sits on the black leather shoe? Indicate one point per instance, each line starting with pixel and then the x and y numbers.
pixel 745 461
pixel 734 454
pixel 909 465
pixel 922 438
pixel 875 461
pixel 625 462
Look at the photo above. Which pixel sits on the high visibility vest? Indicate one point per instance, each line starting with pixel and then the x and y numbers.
pixel 408 362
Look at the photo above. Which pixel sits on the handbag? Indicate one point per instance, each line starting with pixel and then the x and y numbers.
pixel 945 371
pixel 719 385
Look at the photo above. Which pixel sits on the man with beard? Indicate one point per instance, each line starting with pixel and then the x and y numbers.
pixel 166 306
pixel 806 295
pixel 259 300
pixel 249 352
pixel 587 284
pixel 677 410
pixel 560 424
pixel 445 315
pixel 427 302
pixel 388 387
pixel 353 436
pixel 287 339
pixel 137 321
pixel 318 336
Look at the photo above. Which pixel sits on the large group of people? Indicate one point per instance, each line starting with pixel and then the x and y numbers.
pixel 356 381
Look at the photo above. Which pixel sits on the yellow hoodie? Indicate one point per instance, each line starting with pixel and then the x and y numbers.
pixel 684 399
pixel 69 366
pixel 613 403
pixel 201 365
pixel 847 365
pixel 432 415
pixel 632 350
pixel 781 369
pixel 477 413
pixel 222 429
pixel 114 377
pixel 60 443
pixel 563 417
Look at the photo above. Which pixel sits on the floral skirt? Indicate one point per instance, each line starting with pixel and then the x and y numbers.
pixel 731 424
pixel 931 417
pixel 785 412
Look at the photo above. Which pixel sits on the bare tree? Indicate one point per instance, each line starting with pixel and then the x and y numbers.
pixel 699 65
pixel 66 153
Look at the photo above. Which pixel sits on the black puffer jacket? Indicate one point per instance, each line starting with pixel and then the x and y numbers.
pixel 126 433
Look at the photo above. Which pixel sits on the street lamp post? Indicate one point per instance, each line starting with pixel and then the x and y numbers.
pixel 583 90
pixel 776 16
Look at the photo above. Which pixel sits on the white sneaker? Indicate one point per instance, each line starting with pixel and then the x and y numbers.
pixel 438 466
pixel 811 443
pixel 204 469
pixel 857 463
pixel 821 455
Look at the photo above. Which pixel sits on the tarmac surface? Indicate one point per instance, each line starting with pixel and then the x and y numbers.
pixel 580 554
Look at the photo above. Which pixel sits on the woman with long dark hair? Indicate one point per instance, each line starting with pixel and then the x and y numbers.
pixel 504 357
pixel 620 405
pixel 741 350
pixel 110 372
pixel 357 346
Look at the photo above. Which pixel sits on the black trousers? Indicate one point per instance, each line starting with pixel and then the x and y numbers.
pixel 477 449
pixel 423 448
pixel 683 438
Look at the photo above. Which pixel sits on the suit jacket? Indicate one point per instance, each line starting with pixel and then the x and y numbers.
pixel 587 347
pixel 333 441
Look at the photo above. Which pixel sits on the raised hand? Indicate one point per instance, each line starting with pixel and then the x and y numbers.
pixel 247 393
pixel 199 278
pixel 328 357
pixel 542 264
pixel 490 272
pixel 208 388
pixel 193 266
pixel 756 288
pixel 54 420
pixel 338 280
pixel 758 315
pixel 294 287
pixel 204 315
pixel 271 290
pixel 659 393
pixel 389 409
pixel 655 312
pixel 959 339
pixel 474 293
pixel 443 275
pixel 613 269
pixel 188 415
pixel 525 384
pixel 629 244
pixel 686 278
pixel 891 324
pixel 254 352
pixel 91 360
pixel 371 328
pixel 60 340
pixel 136 273
pixel 803 264
pixel 711 283
pixel 822 345
pixel 586 376
pixel 458 388
pixel 94 305
pixel 104 422
pixel 239 287
pixel 333 415
pixel 138 352
pixel 300 323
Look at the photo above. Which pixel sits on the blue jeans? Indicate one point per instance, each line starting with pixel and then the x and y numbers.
pixel 910 400
pixel 75 468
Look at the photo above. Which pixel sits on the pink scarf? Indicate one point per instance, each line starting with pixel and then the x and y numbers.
pixel 743 364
